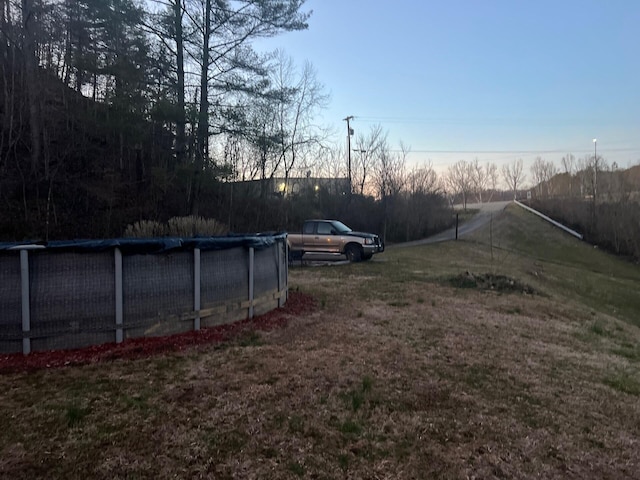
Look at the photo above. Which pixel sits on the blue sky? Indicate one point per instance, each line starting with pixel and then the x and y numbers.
pixel 493 80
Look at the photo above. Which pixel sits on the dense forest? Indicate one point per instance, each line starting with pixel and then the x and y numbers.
pixel 109 108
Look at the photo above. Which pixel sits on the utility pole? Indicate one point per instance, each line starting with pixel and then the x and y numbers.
pixel 349 133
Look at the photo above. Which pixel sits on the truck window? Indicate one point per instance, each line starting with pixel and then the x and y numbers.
pixel 324 228
pixel 307 228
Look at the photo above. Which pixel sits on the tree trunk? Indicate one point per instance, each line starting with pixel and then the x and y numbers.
pixel 181 115
pixel 31 77
pixel 202 142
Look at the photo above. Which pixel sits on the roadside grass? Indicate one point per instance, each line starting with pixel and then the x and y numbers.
pixel 532 371
pixel 624 381
pixel 560 264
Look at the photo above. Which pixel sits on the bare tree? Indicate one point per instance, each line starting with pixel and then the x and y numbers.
pixel 598 164
pixel 263 137
pixel 569 163
pixel 368 148
pixel 492 178
pixel 478 178
pixel 389 179
pixel 300 96
pixel 423 179
pixel 238 154
pixel 390 171
pixel 584 172
pixel 569 166
pixel 513 176
pixel 459 180
pixel 537 172
pixel 421 204
pixel 588 168
pixel 330 164
pixel 279 124
pixel 543 173
pixel 619 185
pixel 549 171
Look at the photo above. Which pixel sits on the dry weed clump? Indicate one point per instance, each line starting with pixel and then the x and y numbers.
pixel 189 226
pixel 490 281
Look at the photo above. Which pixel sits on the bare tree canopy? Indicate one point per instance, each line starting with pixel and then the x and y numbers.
pixel 514 176
pixel 460 180
pixel 542 172
pixel 368 148
pixel 423 179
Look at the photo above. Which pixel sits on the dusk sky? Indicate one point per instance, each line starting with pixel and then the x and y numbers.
pixel 493 80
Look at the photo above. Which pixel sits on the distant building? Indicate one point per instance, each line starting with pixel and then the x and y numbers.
pixel 293 186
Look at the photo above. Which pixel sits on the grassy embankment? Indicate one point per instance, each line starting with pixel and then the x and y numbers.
pixel 425 362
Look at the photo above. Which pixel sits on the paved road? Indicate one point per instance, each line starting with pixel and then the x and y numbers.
pixel 486 210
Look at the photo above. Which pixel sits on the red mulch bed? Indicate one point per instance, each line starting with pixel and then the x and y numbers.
pixel 297 304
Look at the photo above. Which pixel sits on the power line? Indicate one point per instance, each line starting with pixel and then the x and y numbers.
pixel 523 152
pixel 480 121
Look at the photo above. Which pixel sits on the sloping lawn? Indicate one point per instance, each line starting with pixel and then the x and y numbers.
pixel 514 353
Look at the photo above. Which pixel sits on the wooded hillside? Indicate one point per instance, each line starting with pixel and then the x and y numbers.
pixel 117 111
pixel 108 110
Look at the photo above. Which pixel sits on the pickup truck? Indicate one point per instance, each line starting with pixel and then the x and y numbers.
pixel 330 237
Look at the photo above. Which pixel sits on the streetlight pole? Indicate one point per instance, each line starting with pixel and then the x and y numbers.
pixel 349 133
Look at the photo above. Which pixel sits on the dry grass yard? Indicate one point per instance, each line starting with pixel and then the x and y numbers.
pixel 514 353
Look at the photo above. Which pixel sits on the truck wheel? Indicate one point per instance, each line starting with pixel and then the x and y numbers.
pixel 354 254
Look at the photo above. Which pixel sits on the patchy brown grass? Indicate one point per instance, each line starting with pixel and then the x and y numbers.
pixel 397 374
